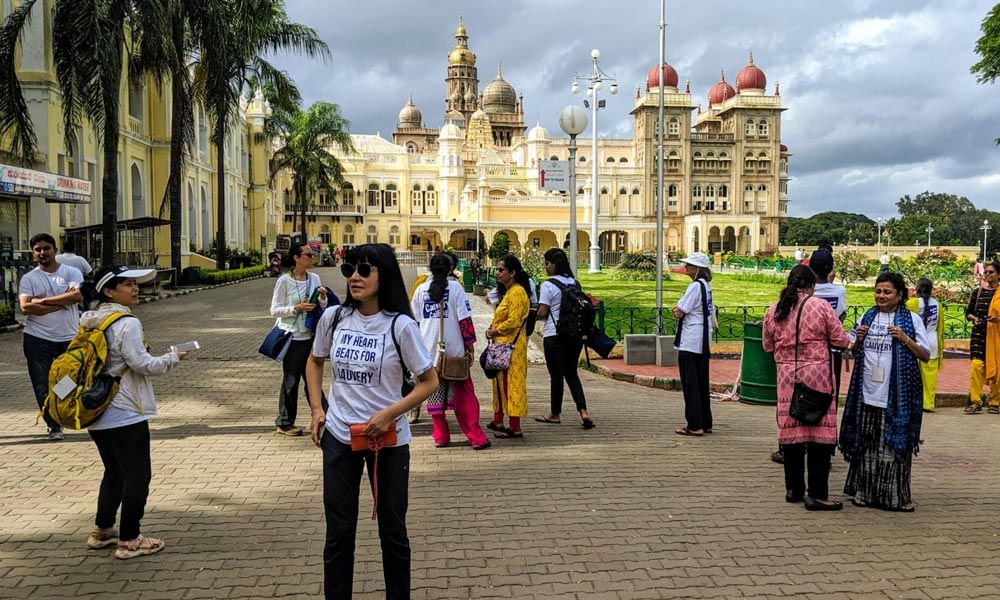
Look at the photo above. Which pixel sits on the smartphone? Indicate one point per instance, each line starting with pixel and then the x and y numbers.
pixel 186 347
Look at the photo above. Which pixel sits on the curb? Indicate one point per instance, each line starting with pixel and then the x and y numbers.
pixel 12 327
pixel 669 384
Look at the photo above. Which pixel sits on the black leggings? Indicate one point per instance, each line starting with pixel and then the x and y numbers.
pixel 127 473
pixel 818 458
pixel 561 360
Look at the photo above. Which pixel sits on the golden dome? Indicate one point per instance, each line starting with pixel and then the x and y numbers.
pixel 499 96
pixel 461 56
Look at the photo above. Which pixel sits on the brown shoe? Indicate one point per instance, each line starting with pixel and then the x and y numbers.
pixel 291 430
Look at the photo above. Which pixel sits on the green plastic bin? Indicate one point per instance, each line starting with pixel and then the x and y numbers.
pixel 467 282
pixel 758 374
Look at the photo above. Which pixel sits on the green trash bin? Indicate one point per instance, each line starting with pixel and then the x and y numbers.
pixel 758 373
pixel 467 282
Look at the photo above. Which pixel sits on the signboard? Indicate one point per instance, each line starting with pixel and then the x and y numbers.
pixel 553 175
pixel 52 187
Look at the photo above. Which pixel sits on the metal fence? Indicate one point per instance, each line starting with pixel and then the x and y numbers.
pixel 617 322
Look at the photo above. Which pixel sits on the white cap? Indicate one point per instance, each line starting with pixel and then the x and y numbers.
pixel 123 272
pixel 697 259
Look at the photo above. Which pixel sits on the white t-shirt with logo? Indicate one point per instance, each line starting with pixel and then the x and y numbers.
pixel 58 326
pixel 836 295
pixel 428 313
pixel 551 296
pixel 933 318
pixel 878 355
pixel 367 376
pixel 692 328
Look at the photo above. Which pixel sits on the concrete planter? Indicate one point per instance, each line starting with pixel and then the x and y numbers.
pixel 640 349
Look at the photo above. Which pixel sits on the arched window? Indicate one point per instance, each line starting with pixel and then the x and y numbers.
pixel 673 160
pixel 635 191
pixel 324 234
pixel 611 159
pixel 416 187
pixel 749 161
pixel 710 190
pixel 696 191
pixel 604 191
pixel 372 236
pixel 138 195
pixel 579 191
pixel 762 128
pixel 394 235
pixel 373 195
pixel 622 192
pixel 673 126
pixel 751 128
pixel 348 194
pixel 411 148
pixel 672 190
pixel 348 235
pixel 723 191
pixel 623 160
pixel 135 94
pixel 553 157
pixel 762 188
pixel 390 196
pixel 583 159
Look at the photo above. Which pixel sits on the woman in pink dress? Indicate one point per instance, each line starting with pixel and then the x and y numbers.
pixel 818 330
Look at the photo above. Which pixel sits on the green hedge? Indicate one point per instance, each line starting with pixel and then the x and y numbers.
pixel 215 277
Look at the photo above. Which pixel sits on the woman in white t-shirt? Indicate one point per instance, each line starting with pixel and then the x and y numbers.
pixel 880 428
pixel 442 295
pixel 370 341
pixel 694 331
pixel 290 302
pixel 929 311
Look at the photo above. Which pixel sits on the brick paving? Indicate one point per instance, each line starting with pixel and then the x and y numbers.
pixel 625 511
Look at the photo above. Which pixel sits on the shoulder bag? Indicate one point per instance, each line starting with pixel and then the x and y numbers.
pixel 808 406
pixel 497 355
pixel 449 368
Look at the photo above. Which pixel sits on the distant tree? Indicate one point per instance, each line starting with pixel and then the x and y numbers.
pixel 988 48
pixel 852 265
pixel 832 226
pixel 499 247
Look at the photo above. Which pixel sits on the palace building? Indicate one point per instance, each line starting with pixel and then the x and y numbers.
pixel 725 172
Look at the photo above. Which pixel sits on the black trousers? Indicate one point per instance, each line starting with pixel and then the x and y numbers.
pixel 40 353
pixel 127 473
pixel 694 384
pixel 341 487
pixel 293 368
pixel 561 360
pixel 818 458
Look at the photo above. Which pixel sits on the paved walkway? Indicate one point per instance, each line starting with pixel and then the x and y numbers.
pixel 627 510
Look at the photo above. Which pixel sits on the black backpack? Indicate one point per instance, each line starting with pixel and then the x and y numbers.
pixel 576 312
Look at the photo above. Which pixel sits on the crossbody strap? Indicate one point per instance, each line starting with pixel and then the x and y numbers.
pixel 705 317
pixel 441 345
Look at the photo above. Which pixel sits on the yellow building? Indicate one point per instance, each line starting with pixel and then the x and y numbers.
pixel 143 161
pixel 726 172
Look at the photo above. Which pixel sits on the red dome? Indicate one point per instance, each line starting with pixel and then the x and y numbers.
pixel 784 148
pixel 751 77
pixel 669 77
pixel 720 92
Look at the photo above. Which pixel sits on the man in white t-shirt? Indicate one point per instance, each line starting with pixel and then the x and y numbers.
pixel 49 296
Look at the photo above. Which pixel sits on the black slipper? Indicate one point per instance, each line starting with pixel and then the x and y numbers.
pixel 494 427
pixel 549 420
pixel 508 433
pixel 588 424
pixel 686 431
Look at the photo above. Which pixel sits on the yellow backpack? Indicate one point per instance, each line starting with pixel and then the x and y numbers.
pixel 79 389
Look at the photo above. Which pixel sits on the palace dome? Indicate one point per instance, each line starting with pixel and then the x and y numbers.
pixel 499 96
pixel 669 78
pixel 410 116
pixel 751 77
pixel 460 54
pixel 720 92
pixel 450 131
pixel 538 134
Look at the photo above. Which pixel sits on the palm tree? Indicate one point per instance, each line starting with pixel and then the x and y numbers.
pixel 308 138
pixel 88 51
pixel 231 58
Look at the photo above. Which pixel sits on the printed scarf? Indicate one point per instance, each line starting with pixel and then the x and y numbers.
pixel 903 413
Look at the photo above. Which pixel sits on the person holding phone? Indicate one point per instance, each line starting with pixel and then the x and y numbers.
pixel 983 312
pixel 121 433
pixel 290 303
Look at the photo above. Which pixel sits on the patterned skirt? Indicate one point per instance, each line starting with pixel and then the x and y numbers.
pixel 879 476
pixel 441 399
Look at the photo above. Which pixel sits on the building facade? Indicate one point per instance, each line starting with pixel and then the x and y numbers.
pixel 252 215
pixel 725 172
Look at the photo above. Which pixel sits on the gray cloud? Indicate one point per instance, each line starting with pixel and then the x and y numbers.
pixel 880 99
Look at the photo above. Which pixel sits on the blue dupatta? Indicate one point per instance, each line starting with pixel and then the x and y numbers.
pixel 904 411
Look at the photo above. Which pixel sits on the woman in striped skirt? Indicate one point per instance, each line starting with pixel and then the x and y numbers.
pixel 880 429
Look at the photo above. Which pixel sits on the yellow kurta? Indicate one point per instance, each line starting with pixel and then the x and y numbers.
pixel 510 388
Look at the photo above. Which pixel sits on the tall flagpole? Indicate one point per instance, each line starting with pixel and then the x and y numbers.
pixel 659 175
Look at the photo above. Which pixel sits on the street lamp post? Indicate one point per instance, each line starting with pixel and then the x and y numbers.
pixel 929 231
pixel 986 228
pixel 479 205
pixel 878 239
pixel 573 122
pixel 595 81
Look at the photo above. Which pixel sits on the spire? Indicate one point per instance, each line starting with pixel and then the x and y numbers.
pixel 687 86
pixel 409 99
pixel 460 32
pixel 499 70
pixel 751 56
pixel 722 74
pixel 777 88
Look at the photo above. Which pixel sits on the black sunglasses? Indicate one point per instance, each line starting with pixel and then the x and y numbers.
pixel 363 269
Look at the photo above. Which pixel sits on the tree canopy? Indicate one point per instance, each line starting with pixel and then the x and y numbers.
pixel 988 48
pixel 831 226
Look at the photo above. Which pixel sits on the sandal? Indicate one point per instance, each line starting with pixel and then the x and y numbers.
pixel 973 409
pixel 588 424
pixel 505 433
pixel 492 426
pixel 140 546
pixel 686 431
pixel 859 503
pixel 993 410
pixel 908 507
pixel 102 538
pixel 482 446
pixel 549 419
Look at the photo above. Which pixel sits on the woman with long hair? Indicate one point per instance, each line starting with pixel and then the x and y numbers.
pixel 800 331
pixel 561 355
pixel 445 316
pixel 122 431
pixel 371 342
pixel 290 302
pixel 929 310
pixel 510 393
pixel 880 430
pixel 694 332
pixel 983 312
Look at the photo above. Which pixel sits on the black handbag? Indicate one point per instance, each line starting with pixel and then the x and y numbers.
pixel 808 406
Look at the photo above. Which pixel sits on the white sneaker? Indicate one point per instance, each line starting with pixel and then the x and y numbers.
pixel 55 435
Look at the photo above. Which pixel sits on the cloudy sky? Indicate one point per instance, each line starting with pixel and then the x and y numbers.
pixel 879 95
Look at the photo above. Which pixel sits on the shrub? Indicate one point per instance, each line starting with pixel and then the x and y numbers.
pixel 533 262
pixel 852 265
pixel 215 277
pixel 637 267
pixel 6 314
pixel 761 278
pixel 500 246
